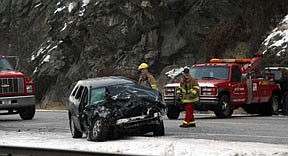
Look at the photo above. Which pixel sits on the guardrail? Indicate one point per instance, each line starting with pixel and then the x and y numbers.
pixel 31 151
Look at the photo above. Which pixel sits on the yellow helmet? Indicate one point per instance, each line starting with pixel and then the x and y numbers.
pixel 143 66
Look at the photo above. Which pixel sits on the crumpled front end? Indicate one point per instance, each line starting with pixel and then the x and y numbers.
pixel 129 109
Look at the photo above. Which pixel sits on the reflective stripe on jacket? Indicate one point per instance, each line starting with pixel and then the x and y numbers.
pixel 189 89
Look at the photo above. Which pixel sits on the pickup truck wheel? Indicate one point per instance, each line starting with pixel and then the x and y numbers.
pixel 27 113
pixel 159 129
pixel 74 131
pixel 223 110
pixel 173 112
pixel 98 130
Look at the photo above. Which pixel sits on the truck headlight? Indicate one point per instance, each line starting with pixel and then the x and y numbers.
pixel 29 88
pixel 209 91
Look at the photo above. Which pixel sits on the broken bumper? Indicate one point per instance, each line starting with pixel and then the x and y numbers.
pixel 145 119
pixel 17 101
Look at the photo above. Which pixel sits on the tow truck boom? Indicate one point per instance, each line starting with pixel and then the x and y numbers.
pixel 255 62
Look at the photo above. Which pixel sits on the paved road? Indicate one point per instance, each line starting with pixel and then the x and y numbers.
pixel 238 128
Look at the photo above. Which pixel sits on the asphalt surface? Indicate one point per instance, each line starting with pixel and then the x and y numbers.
pixel 243 128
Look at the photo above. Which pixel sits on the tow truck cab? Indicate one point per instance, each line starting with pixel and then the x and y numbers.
pixel 17 92
pixel 224 87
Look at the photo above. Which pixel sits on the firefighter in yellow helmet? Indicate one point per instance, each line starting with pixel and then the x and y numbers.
pixel 188 93
pixel 146 79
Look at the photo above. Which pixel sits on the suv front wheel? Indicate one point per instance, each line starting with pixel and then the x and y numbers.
pixel 173 112
pixel 98 130
pixel 159 129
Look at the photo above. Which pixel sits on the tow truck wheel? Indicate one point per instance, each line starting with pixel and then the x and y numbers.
pixel 98 130
pixel 274 104
pixel 74 131
pixel 272 107
pixel 223 110
pixel 159 129
pixel 173 112
pixel 27 113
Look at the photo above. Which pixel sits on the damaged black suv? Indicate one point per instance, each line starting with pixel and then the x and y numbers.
pixel 111 107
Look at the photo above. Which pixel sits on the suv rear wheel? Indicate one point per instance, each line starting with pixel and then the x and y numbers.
pixel 74 131
pixel 27 113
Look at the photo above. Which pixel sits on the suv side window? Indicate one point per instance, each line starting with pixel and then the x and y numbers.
pixel 84 99
pixel 74 91
pixel 236 74
pixel 79 92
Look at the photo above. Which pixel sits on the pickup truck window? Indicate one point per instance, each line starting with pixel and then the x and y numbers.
pixel 210 72
pixel 5 65
pixel 236 74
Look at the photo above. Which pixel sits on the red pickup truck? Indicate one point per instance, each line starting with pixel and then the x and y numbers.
pixel 17 92
pixel 227 84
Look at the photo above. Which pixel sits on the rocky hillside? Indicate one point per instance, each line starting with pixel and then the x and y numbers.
pixel 275 46
pixel 62 41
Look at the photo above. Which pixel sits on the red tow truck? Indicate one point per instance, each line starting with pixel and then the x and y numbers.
pixel 17 92
pixel 227 84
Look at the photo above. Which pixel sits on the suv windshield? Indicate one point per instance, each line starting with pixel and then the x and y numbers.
pixel 210 72
pixel 99 95
pixel 5 65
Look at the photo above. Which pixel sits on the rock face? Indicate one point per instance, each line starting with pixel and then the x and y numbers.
pixel 62 41
pixel 275 46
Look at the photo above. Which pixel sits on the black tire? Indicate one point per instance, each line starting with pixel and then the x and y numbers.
pixel 286 109
pixel 74 131
pixel 272 107
pixel 223 109
pixel 173 112
pixel 159 129
pixel 27 113
pixel 285 103
pixel 98 130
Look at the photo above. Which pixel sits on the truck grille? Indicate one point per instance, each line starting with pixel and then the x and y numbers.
pixel 11 85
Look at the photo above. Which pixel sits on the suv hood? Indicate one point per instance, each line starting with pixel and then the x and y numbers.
pixel 135 100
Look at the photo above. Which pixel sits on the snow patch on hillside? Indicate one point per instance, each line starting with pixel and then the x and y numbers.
pixel 278 38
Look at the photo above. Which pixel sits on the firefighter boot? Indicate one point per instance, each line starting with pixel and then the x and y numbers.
pixel 184 125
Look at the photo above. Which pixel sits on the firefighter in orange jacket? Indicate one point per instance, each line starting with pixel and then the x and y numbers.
pixel 146 79
pixel 188 93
